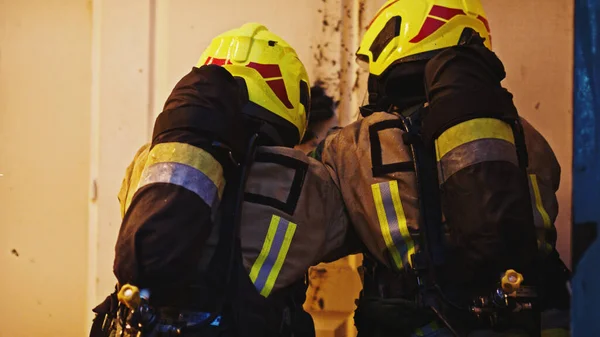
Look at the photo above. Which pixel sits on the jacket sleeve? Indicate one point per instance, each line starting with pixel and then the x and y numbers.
pixel 171 212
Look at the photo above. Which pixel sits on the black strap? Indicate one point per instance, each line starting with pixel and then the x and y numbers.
pixel 377 167
pixel 430 255
pixel 300 167
pixel 205 121
pixel 519 134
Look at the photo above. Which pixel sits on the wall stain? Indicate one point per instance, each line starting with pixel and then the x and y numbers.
pixel 317 277
pixel 523 71
pixel 14 252
pixel 361 12
pixel 333 52
pixel 356 80
pixel 338 26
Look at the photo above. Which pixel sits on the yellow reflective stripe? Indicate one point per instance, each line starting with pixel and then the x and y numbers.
pixel 402 220
pixel 265 248
pixel 392 221
pixel 538 201
pixel 191 156
pixel 384 226
pixel 287 241
pixel 471 130
pixel 556 333
pixel 266 268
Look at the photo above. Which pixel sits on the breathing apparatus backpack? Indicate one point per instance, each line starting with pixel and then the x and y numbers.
pixel 471 162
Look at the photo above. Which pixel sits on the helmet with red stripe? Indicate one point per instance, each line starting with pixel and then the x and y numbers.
pixel 276 80
pixel 411 32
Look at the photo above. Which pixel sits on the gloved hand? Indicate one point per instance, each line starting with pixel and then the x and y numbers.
pixel 208 102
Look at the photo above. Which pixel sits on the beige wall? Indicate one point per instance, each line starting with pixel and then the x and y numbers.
pixel 534 39
pixel 80 84
pixel 183 28
pixel 121 116
pixel 44 144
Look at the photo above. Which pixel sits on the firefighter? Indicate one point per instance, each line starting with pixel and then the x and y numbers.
pixel 446 185
pixel 217 234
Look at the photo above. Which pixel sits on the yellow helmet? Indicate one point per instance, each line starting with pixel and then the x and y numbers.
pixel 276 79
pixel 409 30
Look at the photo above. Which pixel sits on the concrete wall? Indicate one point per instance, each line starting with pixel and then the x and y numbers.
pixel 45 77
pixel 80 84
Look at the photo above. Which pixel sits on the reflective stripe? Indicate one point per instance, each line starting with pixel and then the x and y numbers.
pixel 426 330
pixel 474 152
pixel 266 268
pixel 392 222
pixel 539 205
pixel 181 175
pixel 471 130
pixel 191 156
pixel 541 219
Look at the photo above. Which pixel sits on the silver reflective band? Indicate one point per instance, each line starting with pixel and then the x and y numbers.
pixel 181 175
pixel 475 152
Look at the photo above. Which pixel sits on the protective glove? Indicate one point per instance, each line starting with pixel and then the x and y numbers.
pixel 208 101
